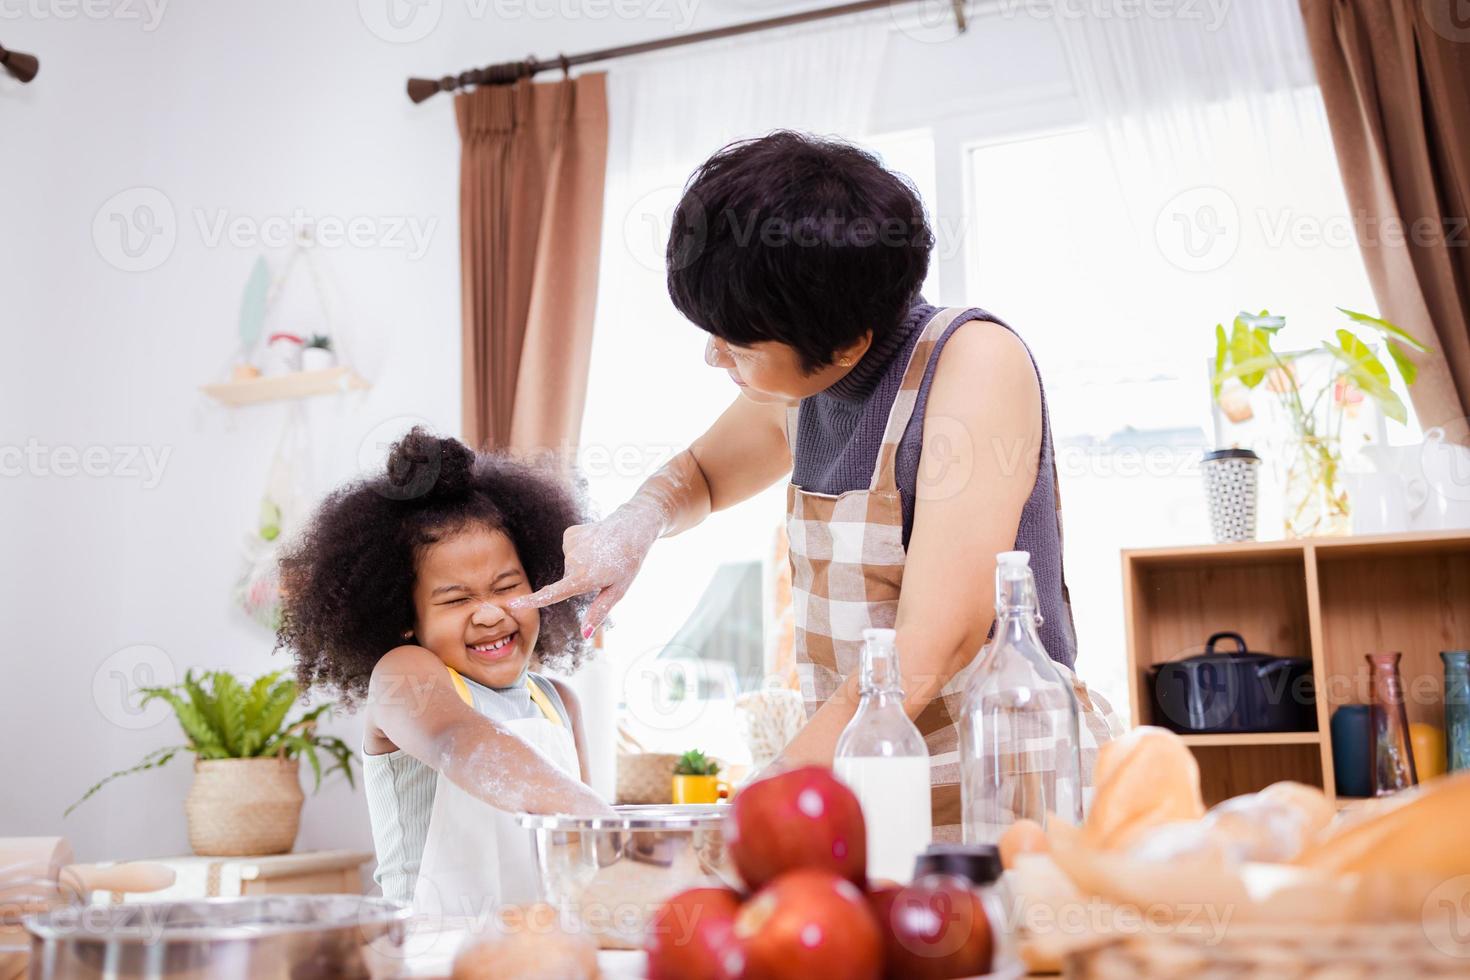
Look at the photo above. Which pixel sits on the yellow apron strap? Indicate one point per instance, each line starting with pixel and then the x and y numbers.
pixel 460 686
pixel 537 695
pixel 544 703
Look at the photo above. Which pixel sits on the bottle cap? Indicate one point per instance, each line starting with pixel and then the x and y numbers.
pixel 1014 558
pixel 875 635
pixel 978 864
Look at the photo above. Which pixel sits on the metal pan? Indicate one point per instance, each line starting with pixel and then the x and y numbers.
pixel 273 937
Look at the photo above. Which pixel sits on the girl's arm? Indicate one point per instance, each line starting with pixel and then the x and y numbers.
pixel 414 704
pixel 977 467
pixel 573 705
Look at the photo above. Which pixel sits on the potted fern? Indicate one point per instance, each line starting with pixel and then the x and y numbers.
pixel 697 779
pixel 246 798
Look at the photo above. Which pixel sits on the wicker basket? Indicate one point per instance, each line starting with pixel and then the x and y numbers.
pixel 646 777
pixel 1268 952
pixel 244 807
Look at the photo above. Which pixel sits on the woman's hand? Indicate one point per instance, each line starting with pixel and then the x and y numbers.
pixel 603 557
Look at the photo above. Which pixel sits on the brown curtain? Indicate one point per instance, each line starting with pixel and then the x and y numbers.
pixel 1395 77
pixel 531 186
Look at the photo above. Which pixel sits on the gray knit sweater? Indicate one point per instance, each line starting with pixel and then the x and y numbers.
pixel 837 439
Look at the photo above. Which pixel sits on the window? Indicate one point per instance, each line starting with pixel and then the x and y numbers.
pixel 1122 329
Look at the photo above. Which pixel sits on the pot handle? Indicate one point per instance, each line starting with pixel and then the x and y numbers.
pixel 1214 637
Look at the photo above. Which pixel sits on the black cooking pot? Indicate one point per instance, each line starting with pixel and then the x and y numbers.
pixel 1240 691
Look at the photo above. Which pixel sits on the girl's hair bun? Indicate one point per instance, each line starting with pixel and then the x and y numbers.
pixel 422 464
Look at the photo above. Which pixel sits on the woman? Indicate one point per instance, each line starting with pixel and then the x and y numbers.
pixel 917 438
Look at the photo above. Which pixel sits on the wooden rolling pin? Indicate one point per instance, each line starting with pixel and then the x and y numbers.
pixel 38 873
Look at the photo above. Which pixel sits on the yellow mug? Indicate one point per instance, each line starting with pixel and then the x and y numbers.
pixel 699 789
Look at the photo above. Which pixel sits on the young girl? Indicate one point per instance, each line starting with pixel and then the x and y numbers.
pixel 398 591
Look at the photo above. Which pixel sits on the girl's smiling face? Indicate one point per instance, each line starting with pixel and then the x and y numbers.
pixel 461 587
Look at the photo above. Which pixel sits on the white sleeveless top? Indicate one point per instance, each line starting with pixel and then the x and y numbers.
pixel 400 788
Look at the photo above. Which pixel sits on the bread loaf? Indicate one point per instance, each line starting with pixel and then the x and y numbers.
pixel 528 944
pixel 1144 779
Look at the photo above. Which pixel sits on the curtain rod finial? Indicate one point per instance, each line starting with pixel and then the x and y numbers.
pixel 420 89
pixel 23 66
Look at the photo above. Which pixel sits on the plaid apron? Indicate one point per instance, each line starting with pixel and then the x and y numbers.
pixel 847 560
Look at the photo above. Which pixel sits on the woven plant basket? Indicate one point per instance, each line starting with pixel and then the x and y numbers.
pixel 244 807
pixel 646 777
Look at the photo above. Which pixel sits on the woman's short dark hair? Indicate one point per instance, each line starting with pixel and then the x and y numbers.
pixel 347 582
pixel 798 239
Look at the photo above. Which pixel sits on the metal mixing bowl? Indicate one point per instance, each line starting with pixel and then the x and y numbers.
pixel 274 937
pixel 612 873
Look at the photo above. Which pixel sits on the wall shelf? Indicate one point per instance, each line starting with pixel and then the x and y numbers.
pixel 1254 738
pixel 1330 599
pixel 297 384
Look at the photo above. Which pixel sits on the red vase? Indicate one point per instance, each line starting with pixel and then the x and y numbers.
pixel 1389 748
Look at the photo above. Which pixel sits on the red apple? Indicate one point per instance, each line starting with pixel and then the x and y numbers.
pixel 692 937
pixel 935 929
pixel 802 818
pixel 810 925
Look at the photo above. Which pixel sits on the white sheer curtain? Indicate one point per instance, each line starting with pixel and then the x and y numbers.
pixel 1203 183
pixel 650 392
pixel 1214 125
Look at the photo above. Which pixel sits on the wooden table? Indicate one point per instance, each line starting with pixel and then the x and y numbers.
pixel 305 873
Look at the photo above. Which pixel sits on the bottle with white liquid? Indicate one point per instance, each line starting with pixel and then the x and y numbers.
pixel 882 757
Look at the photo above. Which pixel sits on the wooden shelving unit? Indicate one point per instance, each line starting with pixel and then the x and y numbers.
pixel 297 384
pixel 1332 600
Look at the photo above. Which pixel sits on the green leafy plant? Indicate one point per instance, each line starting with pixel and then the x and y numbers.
pixel 225 717
pixel 320 340
pixel 1247 355
pixel 696 763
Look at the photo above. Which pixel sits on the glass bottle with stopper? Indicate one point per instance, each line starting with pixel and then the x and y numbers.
pixel 1020 728
pixel 882 757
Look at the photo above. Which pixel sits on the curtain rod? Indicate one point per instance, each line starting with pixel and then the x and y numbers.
pixel 510 72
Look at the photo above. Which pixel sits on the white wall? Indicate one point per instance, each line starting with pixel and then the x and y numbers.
pixel 246 111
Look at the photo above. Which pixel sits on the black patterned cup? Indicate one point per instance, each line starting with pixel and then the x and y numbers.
pixel 1231 480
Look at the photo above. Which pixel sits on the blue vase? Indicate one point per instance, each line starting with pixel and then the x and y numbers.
pixel 1354 773
pixel 1456 709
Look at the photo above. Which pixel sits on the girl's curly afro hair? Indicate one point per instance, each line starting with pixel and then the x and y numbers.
pixel 347 582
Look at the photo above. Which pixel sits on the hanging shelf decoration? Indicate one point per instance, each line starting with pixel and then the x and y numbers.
pixel 286 366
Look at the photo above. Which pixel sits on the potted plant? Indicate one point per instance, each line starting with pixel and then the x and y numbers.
pixel 697 779
pixel 1316 502
pixel 318 354
pixel 246 798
